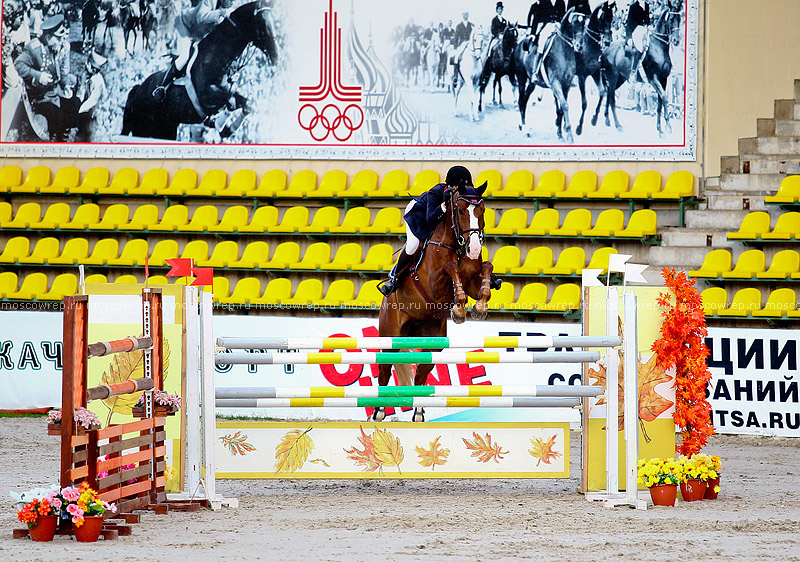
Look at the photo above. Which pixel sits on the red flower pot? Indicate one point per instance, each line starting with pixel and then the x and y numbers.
pixel 90 530
pixel 710 493
pixel 693 490
pixel 45 528
pixel 664 494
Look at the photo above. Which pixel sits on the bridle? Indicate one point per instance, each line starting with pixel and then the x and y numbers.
pixel 665 37
pixel 460 235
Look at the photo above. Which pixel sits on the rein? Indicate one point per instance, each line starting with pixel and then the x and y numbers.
pixel 455 226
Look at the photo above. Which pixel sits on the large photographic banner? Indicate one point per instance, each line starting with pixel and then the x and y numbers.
pixel 347 79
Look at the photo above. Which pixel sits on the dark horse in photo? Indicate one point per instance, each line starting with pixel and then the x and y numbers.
pixel 500 62
pixel 146 117
pixel 450 270
pixel 596 37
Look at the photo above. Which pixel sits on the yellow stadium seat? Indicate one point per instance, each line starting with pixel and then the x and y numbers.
pixel 143 218
pixel 95 278
pixel 645 184
pixel 518 183
pixel 224 253
pixel 394 183
pixel 45 249
pixel 85 215
pixel 75 250
pixel 64 284
pixel 332 184
pixel 379 258
pixel 8 283
pixel 303 183
pixel 714 299
pixel 489 219
pixel 286 254
pixel 127 279
pixel 174 217
pixel 36 178
pixel 66 180
pixel 32 287
pixel 115 218
pixel 533 296
pixel 55 215
pixel 608 222
pixel 125 180
pixel 364 182
pixel 211 184
pixel 613 184
pixel 316 254
pixel 10 176
pixel 505 259
pixel 294 218
pixel 550 183
pixel 511 222
pixel 492 178
pixel 183 181
pixel 753 226
pixel 197 250
pixel 255 254
pixel 543 222
pixel 714 264
pixel 787 227
pixel 600 258
pixel 104 250
pixel 576 221
pixel 502 298
pixel 220 288
pixel 368 296
pixel 203 219
pixel 233 219
pixel 565 297
pixel 783 264
pixel 745 302
pixel 640 224
pixel 679 184
pixel 15 249
pixel 263 219
pixel 242 182
pixel 346 257
pixel 162 251
pixel 154 181
pixel 134 253
pixel 6 212
pixel 570 260
pixel 94 181
pixel 272 183
pixel 339 291
pixel 309 291
pixel 27 214
pixel 779 303
pixel 355 219
pixel 246 291
pixel 164 280
pixel 324 219
pixel 537 260
pixel 277 290
pixel 788 191
pixel 580 185
pixel 747 266
pixel 388 220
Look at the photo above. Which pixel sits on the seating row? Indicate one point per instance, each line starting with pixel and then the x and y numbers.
pixel 756 226
pixel 326 220
pixel 788 192
pixel 256 255
pixel 186 182
pixel 746 303
pixel 751 265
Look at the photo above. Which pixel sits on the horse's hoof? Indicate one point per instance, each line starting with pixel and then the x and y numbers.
pixel 579 130
pixel 479 314
pixel 419 415
pixel 379 414
pixel 456 318
pixel 620 129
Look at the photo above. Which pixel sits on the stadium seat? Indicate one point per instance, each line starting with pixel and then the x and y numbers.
pixel 779 303
pixel 10 176
pixel 154 181
pixel 550 183
pixel 368 296
pixel 95 278
pixel 533 296
pixel 246 291
pixel 27 214
pixel 747 266
pixel 745 302
pixel 640 224
pixel 127 279
pixel 608 222
pixel 565 297
pixel 8 283
pixel 64 284
pixel 679 184
pixel 36 178
pixel 613 184
pixel 325 218
pixel 537 260
pixel 94 181
pixel 576 221
pixel 379 258
pixel 286 254
pixel 787 227
pixel 303 183
pixel 220 288
pixel 162 251
pixel 263 219
pixel 255 254
pixel 394 183
pixel 125 180
pixel 512 221
pixel 55 215
pixel 116 217
pixel 714 264
pixel 272 183
pixel 505 259
pixel 644 185
pixel 143 218
pixel 276 291
pixel 7 212
pixel 197 250
pixel 242 182
pixel 233 219
pixel 183 181
pixel 388 220
pixel 44 249
pixel 783 264
pixel 600 259
pixel 308 292
pixel 32 286
pixel 294 218
pixel 135 252
pixel 354 220
pixel 714 299
pixel 315 255
pixel 364 182
pixel 346 257
pixel 173 218
pixel 85 215
pixel 104 250
pixel 753 226
pixel 223 254
pixel 203 219
pixel 493 179
pixel 339 292
pixel 788 191
pixel 66 180
pixel 518 183
pixel 211 184
pixel 75 251
pixel 489 219
pixel 580 185
pixel 570 261
pixel 164 280
pixel 15 249
pixel 543 222
pixel 502 298
pixel 332 184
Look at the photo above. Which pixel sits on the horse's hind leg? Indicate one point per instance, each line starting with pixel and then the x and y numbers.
pixel 384 374
pixel 480 309
pixel 459 311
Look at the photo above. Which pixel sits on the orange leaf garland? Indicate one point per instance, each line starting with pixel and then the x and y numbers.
pixel 434 455
pixel 483 449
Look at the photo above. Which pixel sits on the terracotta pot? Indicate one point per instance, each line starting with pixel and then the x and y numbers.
pixel 90 530
pixel 664 494
pixel 158 411
pixel 693 490
pixel 53 429
pixel 710 493
pixel 45 528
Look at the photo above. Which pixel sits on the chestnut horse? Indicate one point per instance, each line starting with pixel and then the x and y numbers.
pixel 450 270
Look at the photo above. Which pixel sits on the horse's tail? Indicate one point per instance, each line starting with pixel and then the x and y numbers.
pixel 127 117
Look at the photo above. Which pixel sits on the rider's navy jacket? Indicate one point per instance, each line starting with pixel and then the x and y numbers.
pixel 426 213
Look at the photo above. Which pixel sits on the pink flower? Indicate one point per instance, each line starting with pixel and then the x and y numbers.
pixel 56 503
pixel 73 509
pixel 71 494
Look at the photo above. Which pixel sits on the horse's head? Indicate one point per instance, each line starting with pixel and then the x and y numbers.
pixel 572 27
pixel 509 37
pixel 674 15
pixel 600 23
pixel 254 19
pixel 466 208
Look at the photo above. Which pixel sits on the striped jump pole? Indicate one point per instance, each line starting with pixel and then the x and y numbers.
pixel 127 387
pixel 475 390
pixel 102 348
pixel 404 358
pixel 459 342
pixel 404 402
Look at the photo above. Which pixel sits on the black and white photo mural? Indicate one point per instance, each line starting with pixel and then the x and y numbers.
pixel 351 79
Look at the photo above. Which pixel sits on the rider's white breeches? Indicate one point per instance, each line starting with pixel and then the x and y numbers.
pixel 547 31
pixel 412 242
pixel 184 48
pixel 638 37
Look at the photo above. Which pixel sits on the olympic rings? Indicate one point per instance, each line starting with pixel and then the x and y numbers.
pixel 331 120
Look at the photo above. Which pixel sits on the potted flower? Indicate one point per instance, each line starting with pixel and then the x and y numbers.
pixel 85 419
pixel 86 511
pixel 40 510
pixel 662 477
pixel 54 422
pixel 698 469
pixel 712 490
pixel 164 404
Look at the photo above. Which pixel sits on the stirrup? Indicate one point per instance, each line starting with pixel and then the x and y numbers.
pixel 160 92
pixel 387 287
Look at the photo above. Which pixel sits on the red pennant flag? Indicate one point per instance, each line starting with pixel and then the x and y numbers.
pixel 181 267
pixel 205 276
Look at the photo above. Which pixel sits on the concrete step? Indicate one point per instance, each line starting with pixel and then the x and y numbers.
pixel 718 201
pixel 680 257
pixel 687 238
pixel 770 145
pixel 708 219
pixel 756 183
pixel 786 109
pixel 784 128
pixel 766 127
pixel 729 165
pixel 796 90
pixel 755 164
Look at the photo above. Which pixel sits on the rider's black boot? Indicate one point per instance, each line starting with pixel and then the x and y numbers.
pixel 403 262
pixel 161 90
pixel 495 282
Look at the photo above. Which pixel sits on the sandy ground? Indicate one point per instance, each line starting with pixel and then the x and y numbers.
pixel 757 516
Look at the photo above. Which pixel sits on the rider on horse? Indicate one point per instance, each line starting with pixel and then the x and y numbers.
pixel 423 214
pixel 636 33
pixel 543 18
pixel 499 24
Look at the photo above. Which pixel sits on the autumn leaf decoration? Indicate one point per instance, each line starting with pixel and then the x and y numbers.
pixel 543 450
pixel 237 444
pixel 291 453
pixel 380 449
pixel 433 455
pixel 483 449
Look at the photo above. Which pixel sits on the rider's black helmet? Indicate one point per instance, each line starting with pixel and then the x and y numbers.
pixel 458 176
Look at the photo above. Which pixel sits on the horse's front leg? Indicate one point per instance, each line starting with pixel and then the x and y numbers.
pixel 459 311
pixel 662 102
pixel 481 308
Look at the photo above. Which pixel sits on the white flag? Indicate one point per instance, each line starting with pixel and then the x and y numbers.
pixel 589 278
pixel 633 273
pixel 616 262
